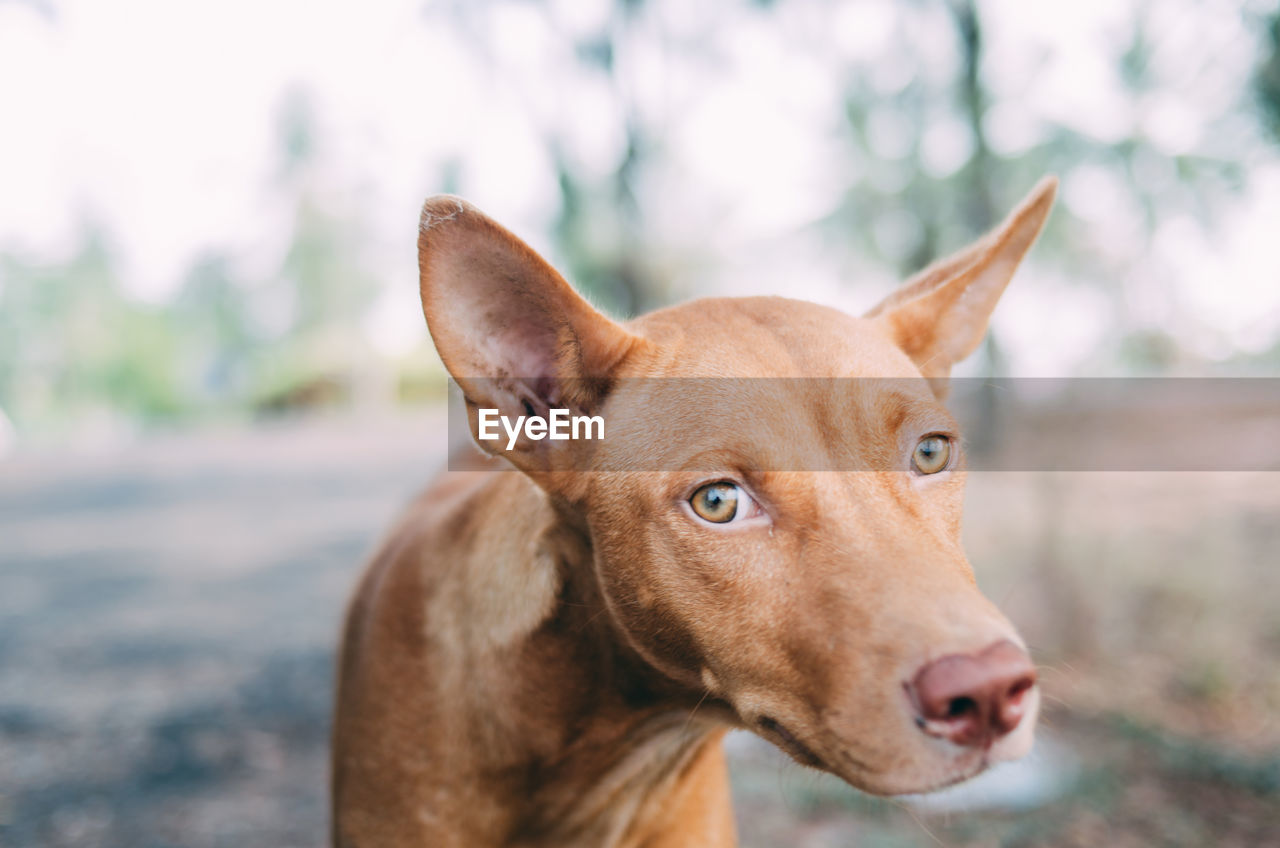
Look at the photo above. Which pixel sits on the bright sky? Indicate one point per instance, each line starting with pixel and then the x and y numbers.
pixel 159 119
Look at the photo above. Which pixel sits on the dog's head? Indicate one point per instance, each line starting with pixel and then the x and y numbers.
pixel 834 611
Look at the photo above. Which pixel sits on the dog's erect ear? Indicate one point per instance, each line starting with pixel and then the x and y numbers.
pixel 514 335
pixel 940 315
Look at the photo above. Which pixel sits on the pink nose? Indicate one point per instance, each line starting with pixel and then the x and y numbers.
pixel 974 699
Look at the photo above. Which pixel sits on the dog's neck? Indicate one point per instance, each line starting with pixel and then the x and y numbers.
pixel 598 739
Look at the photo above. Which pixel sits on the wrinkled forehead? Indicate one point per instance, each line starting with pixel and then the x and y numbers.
pixel 768 423
pixel 766 337
pixel 773 390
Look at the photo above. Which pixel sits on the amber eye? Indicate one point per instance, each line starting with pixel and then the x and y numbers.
pixel 932 454
pixel 717 502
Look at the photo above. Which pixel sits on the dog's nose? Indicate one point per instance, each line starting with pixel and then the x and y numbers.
pixel 974 699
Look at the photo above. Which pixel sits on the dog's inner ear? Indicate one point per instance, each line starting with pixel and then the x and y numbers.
pixel 940 316
pixel 511 331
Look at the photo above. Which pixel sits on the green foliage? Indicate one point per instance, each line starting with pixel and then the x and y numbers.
pixel 72 343
pixel 76 346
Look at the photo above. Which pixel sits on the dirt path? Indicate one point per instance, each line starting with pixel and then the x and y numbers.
pixel 167 617
pixel 168 614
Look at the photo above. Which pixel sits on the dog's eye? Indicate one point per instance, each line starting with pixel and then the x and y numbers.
pixel 721 503
pixel 932 454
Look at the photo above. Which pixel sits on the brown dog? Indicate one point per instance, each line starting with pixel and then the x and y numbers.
pixel 551 658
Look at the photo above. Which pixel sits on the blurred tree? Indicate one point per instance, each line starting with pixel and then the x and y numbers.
pixel 612 272
pixel 980 208
pixel 72 339
pixel 213 311
pixel 1267 76
pixel 72 344
pixel 322 290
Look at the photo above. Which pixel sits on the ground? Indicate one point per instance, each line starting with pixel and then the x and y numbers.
pixel 168 614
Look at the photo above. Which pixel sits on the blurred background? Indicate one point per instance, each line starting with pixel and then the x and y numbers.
pixel 216 387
